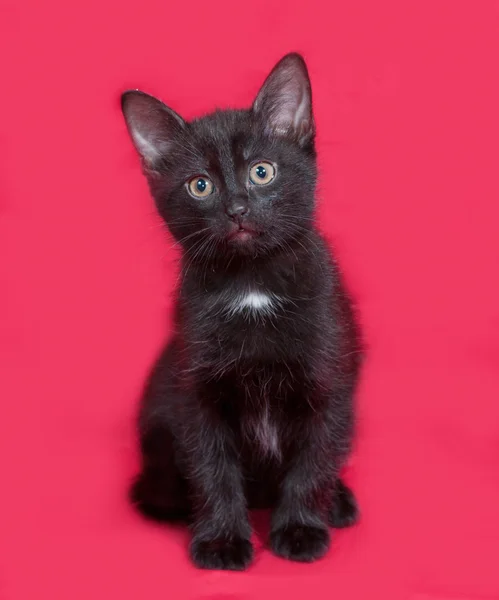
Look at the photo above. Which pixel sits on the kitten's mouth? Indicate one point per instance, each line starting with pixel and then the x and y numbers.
pixel 242 234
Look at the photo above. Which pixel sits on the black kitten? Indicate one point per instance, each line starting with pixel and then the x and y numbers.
pixel 250 404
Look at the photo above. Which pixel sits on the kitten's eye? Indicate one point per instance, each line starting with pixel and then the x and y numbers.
pixel 262 173
pixel 200 187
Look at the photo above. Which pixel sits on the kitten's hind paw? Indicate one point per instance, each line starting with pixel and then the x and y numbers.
pixel 222 554
pixel 152 498
pixel 304 543
pixel 344 512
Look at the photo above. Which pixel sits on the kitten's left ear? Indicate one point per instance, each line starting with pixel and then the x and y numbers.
pixel 285 100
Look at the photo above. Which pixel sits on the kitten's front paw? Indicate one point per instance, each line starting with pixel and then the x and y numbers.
pixel 232 555
pixel 303 543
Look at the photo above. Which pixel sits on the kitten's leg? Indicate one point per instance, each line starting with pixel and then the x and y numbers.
pixel 221 530
pixel 344 510
pixel 160 492
pixel 299 528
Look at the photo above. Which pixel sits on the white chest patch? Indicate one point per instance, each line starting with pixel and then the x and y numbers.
pixel 256 303
pixel 266 437
pixel 255 300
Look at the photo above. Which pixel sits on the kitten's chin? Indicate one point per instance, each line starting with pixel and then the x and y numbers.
pixel 243 242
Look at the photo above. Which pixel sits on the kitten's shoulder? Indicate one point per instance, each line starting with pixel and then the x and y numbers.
pixel 320 252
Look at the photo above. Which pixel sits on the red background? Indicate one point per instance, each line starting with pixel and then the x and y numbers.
pixel 407 102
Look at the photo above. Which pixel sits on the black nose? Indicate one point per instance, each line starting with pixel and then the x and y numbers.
pixel 236 211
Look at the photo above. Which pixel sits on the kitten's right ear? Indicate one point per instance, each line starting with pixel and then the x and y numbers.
pixel 151 124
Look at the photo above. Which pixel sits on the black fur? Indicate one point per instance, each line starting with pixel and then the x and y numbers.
pixel 249 405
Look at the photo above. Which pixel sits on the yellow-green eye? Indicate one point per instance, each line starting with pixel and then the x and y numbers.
pixel 200 187
pixel 262 173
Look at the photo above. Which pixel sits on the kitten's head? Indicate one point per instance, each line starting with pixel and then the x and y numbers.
pixel 236 181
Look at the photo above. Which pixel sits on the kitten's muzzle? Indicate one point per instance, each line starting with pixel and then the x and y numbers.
pixel 240 229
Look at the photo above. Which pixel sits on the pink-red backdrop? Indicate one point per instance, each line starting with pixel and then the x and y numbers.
pixel 407 102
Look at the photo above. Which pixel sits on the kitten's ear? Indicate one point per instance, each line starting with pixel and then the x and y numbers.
pixel 151 124
pixel 285 100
